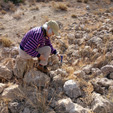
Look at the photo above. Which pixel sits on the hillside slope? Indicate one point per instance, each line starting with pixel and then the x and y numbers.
pixel 83 82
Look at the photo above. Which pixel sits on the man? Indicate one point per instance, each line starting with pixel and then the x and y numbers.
pixel 36 43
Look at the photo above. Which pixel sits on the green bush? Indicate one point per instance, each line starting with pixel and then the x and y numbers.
pixel 14 1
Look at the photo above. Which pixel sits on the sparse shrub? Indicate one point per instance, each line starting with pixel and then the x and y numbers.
pixel 1 26
pixel 6 42
pixel 86 1
pixel 74 16
pixel 59 6
pixel 34 8
pixel 17 16
pixel 62 6
pixel 15 1
pixel 3 12
pixel 79 0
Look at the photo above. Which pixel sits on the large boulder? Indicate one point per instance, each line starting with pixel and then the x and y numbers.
pixel 100 104
pixel 37 78
pixel 72 89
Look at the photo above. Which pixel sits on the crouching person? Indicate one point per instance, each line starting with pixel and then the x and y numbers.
pixel 36 43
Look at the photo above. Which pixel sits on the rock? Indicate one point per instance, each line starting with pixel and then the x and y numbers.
pixel 61 72
pixel 72 89
pixel 87 69
pixel 9 52
pixel 6 52
pixel 98 88
pixel 49 110
pixel 95 40
pixel 13 106
pixel 100 104
pixel 80 73
pixel 12 92
pixel 53 59
pixel 17 107
pixel 2 87
pixel 107 69
pixel 88 7
pixel 26 110
pixel 5 72
pixel 71 38
pixel 36 78
pixel 66 105
pixel 9 63
pixel 111 75
pixel 22 66
pixel 104 82
pixel 95 71
pixel 58 81
pixel 14 52
pixel 86 52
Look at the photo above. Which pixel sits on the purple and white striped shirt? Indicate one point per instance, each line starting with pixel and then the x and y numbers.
pixel 34 39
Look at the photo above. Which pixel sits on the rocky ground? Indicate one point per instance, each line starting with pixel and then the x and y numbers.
pixel 83 83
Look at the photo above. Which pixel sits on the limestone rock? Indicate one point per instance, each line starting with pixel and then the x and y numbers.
pixel 2 87
pixel 12 92
pixel 68 106
pixel 72 89
pixel 5 72
pixel 36 78
pixel 107 69
pixel 22 66
pixel 100 104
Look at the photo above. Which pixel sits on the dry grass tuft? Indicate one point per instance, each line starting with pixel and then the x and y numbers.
pixel 1 26
pixel 34 8
pixel 88 90
pixel 17 16
pixel 3 11
pixel 79 0
pixel 59 6
pixel 86 1
pixel 6 42
pixel 74 16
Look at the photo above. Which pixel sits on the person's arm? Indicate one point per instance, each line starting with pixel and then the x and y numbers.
pixel 48 43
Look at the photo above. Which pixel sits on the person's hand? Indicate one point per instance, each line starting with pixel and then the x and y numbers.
pixel 42 57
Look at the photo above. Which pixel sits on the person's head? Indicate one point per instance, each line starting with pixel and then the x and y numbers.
pixel 51 28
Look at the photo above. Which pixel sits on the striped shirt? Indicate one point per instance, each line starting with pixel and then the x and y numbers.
pixel 34 39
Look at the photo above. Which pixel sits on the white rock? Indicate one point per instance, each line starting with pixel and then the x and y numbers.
pixel 36 78
pixel 5 72
pixel 72 89
pixel 100 104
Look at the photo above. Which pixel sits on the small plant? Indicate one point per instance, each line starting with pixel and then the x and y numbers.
pixel 14 1
pixel 6 42
pixel 17 16
pixel 86 1
pixel 59 6
pixel 79 0
pixel 34 8
pixel 1 26
pixel 3 12
pixel 74 16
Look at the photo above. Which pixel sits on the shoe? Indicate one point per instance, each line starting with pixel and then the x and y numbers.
pixel 42 68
